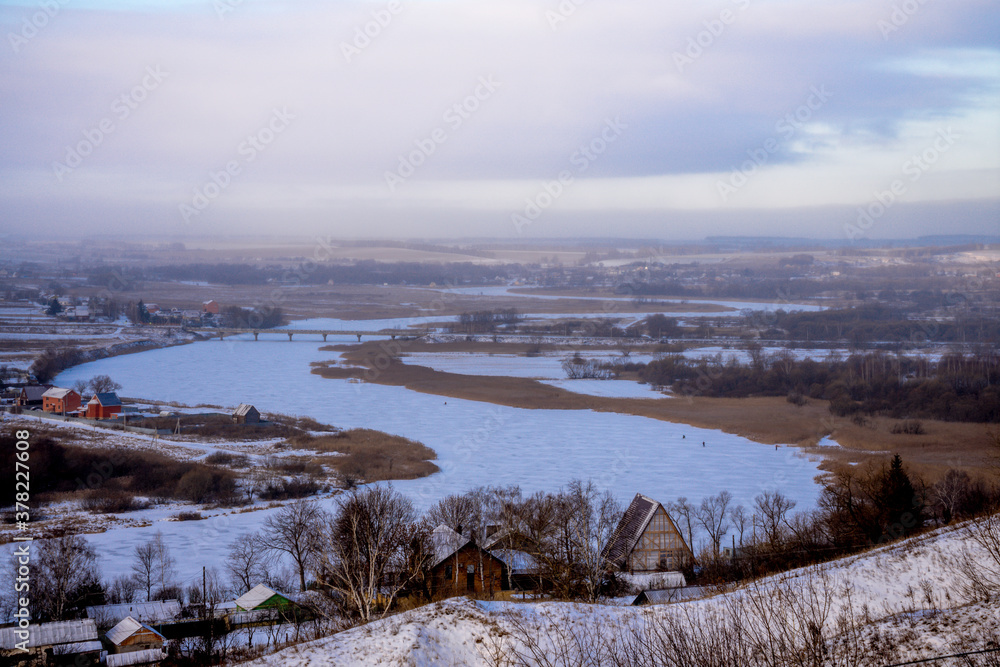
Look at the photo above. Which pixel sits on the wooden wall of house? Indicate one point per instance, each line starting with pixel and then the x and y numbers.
pixel 661 546
pixel 451 577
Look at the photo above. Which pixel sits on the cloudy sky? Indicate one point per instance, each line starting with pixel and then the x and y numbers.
pixel 501 118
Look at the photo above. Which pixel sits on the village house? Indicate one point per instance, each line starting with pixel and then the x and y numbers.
pixel 647 540
pixel 60 400
pixel 31 396
pixel 103 406
pixel 210 307
pixel 460 567
pixel 63 642
pixel 246 414
pixel 129 635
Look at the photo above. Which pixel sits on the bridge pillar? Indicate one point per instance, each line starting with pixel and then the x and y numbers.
pixel 359 338
pixel 255 334
pixel 324 338
pixel 289 338
pixel 393 336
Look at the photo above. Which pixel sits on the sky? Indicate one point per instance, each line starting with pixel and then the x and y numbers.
pixel 500 118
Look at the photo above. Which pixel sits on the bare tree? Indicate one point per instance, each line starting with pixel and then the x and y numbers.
pixel 772 515
pixel 741 519
pixel 596 517
pixel 65 572
pixel 712 516
pixel 371 549
pixel 122 590
pixel 293 530
pixel 248 562
pixel 100 384
pixel 686 512
pixel 153 568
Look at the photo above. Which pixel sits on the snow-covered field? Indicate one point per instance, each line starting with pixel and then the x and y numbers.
pixel 476 443
pixel 905 602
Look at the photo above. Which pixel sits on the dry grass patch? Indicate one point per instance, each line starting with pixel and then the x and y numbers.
pixel 371 456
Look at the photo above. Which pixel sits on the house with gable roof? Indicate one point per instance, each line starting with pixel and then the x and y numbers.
pixel 647 540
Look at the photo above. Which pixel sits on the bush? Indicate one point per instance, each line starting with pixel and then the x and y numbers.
pixel 106 500
pixel 289 488
pixel 908 427
pixel 796 398
pixel 188 516
pixel 228 460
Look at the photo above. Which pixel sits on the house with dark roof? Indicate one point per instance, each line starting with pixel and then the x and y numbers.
pixel 647 540
pixel 104 406
pixel 31 395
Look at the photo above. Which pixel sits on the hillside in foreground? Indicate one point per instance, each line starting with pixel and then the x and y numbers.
pixel 928 596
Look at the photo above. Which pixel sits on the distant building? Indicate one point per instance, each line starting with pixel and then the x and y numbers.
pixel 261 597
pixel 61 643
pixel 459 567
pixel 210 307
pixel 152 308
pixel 646 540
pixel 130 635
pixel 159 612
pixel 31 395
pixel 60 400
pixel 246 414
pixel 104 406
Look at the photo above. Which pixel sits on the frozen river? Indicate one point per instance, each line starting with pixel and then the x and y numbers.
pixel 476 443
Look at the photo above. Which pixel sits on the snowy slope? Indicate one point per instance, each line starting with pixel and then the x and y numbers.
pixel 911 593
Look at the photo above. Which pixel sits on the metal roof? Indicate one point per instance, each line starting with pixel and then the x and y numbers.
pixel 445 542
pixel 52 634
pixel 145 612
pixel 255 597
pixel 630 529
pixel 662 596
pixel 147 657
pixel 127 627
pixel 107 399
pixel 518 562
pixel 35 392
pixel 58 392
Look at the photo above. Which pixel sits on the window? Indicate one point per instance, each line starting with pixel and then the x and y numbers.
pixel 447 571
pixel 664 560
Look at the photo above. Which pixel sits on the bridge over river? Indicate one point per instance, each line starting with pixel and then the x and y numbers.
pixel 222 332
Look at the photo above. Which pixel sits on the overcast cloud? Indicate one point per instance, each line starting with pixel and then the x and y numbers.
pixel 661 119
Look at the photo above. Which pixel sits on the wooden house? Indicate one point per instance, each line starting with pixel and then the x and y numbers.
pixel 647 540
pixel 60 400
pixel 460 567
pixel 31 395
pixel 210 306
pixel 246 414
pixel 60 643
pixel 104 406
pixel 130 635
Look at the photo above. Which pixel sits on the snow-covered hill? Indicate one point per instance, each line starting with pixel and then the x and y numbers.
pixel 902 602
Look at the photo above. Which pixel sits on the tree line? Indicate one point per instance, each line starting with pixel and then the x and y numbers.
pixel 957 387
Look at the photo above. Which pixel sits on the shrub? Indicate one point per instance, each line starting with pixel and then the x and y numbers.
pixel 908 427
pixel 108 500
